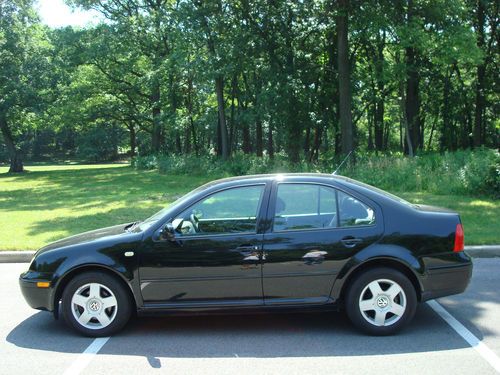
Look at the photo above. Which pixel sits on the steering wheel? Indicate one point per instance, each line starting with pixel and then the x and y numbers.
pixel 195 222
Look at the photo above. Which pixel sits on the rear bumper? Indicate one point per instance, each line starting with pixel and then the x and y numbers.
pixel 445 281
pixel 37 298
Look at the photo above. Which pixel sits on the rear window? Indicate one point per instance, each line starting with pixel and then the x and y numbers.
pixel 380 191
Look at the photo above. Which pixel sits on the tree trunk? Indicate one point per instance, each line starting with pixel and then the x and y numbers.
pixel 412 103
pixel 155 102
pixel 446 137
pixel 178 143
pixel 344 78
pixel 218 139
pixel 193 132
pixel 258 135
pixel 232 125
pixel 307 143
pixel 258 122
pixel 316 144
pixel 404 121
pixel 481 75
pixel 370 117
pixel 293 122
pixel 378 122
pixel 16 163
pixel 380 102
pixel 133 140
pixel 189 105
pixel 222 133
pixel 245 131
pixel 331 85
pixel 187 140
pixel 270 142
pixel 219 89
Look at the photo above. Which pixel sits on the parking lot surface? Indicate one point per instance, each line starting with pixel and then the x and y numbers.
pixel 33 342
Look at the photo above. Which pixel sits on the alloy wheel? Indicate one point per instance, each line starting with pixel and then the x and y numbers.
pixel 382 302
pixel 94 306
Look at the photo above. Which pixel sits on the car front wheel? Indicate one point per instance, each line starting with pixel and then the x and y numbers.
pixel 95 304
pixel 381 301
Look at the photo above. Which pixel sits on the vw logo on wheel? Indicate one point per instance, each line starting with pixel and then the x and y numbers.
pixel 94 305
pixel 382 302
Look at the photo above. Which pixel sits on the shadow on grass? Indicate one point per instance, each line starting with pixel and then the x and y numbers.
pixel 85 223
pixel 88 199
pixel 83 188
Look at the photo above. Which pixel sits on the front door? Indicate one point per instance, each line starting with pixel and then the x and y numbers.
pixel 316 229
pixel 215 259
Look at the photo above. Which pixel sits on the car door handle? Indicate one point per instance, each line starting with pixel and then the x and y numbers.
pixel 248 247
pixel 247 250
pixel 350 242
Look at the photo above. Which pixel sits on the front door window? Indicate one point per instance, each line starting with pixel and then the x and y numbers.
pixel 229 211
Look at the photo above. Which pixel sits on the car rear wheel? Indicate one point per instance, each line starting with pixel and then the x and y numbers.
pixel 381 301
pixel 95 304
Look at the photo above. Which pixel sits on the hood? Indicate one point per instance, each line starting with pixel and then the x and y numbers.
pixel 86 237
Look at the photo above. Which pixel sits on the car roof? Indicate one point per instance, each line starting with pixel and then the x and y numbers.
pixel 280 176
pixel 370 191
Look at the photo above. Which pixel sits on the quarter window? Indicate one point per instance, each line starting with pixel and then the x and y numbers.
pixel 230 211
pixel 353 212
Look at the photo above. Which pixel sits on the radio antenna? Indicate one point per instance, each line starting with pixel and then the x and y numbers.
pixel 341 164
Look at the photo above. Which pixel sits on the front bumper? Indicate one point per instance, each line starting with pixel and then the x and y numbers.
pixel 446 281
pixel 37 298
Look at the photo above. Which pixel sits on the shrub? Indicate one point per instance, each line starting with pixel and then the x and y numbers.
pixel 463 172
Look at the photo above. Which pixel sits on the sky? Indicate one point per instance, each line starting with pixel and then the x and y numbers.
pixel 55 13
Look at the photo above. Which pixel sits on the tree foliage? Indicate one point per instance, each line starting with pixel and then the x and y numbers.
pixel 308 79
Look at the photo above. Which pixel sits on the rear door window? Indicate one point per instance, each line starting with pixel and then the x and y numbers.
pixel 305 206
pixel 311 206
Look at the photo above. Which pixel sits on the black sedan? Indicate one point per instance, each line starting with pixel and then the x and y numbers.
pixel 258 243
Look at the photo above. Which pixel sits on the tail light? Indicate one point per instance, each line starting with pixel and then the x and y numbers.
pixel 459 239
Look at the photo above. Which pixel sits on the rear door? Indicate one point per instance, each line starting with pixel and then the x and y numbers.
pixel 315 229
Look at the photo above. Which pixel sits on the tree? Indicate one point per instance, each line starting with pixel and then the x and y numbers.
pixel 485 21
pixel 23 67
pixel 344 77
pixel 304 79
pixel 146 28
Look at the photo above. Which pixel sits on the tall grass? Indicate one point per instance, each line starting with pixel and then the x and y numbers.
pixel 473 173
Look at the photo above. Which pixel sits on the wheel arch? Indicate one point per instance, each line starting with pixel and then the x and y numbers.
pixel 387 262
pixel 69 275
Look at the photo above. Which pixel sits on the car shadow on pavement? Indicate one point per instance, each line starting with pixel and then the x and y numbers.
pixel 258 335
pixel 42 332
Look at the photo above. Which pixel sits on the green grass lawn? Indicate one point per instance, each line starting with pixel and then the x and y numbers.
pixel 51 202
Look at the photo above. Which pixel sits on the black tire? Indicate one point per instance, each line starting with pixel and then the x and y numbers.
pixel 105 287
pixel 367 320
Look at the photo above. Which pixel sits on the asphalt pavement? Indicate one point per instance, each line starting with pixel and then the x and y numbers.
pixel 319 343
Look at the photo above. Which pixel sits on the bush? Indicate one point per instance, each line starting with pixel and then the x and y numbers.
pixel 462 172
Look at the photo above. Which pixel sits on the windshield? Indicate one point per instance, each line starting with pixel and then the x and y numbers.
pixel 157 216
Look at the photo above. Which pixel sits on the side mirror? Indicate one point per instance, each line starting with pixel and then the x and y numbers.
pixel 168 232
